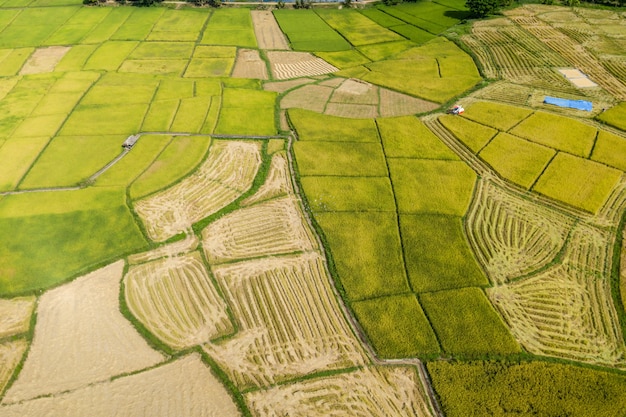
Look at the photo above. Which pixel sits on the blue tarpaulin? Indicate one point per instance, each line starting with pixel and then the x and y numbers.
pixel 574 104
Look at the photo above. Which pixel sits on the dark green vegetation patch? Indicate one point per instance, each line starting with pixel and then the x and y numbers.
pixel 88 227
pixel 308 32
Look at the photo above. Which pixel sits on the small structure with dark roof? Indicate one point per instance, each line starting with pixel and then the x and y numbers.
pixel 130 141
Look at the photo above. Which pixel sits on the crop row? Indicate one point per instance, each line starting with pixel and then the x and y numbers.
pixel 489 66
pixel 567 311
pixel 506 92
pixel 268 228
pixel 188 244
pixel 616 66
pixel 225 175
pixel 277 182
pixel 176 301
pixel 615 205
pixel 574 53
pixel 511 236
pixel 11 354
pixel 371 391
pixel 519 56
pixel 289 321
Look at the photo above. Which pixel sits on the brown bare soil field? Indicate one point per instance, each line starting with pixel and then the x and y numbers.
pixel 371 391
pixel 269 228
pixel 81 338
pixel 397 104
pixel 282 86
pixel 310 97
pixel 567 311
pixel 15 315
pixel 249 65
pixel 175 299
pixel 286 65
pixel 188 244
pixel 184 387
pixel 512 236
pixel 267 31
pixel 10 355
pixel 353 98
pixel 355 92
pixel 227 173
pixel 290 323
pixel 352 111
pixel 277 183
pixel 335 82
pixel 44 60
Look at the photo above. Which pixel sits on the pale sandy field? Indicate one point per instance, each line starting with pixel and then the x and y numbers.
pixel 181 388
pixel 81 338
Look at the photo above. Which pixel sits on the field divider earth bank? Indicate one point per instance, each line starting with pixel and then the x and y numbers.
pixel 486 172
pixel 346 311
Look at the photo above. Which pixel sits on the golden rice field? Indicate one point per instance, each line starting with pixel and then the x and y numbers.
pixel 208 272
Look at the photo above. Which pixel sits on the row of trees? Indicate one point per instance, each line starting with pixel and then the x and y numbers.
pixel 212 3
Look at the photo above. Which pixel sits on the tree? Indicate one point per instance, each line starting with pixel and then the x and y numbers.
pixel 481 8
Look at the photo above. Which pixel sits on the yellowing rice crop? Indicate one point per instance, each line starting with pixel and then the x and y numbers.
pixel 175 299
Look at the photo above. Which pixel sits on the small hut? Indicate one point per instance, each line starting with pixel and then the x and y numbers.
pixel 130 141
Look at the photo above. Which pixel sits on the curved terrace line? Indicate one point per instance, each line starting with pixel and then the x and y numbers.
pixel 128 144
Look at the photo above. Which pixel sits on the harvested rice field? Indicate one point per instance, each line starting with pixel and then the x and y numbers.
pixel 81 338
pixel 353 98
pixel 254 211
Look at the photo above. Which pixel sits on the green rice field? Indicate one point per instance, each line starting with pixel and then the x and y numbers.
pixel 470 263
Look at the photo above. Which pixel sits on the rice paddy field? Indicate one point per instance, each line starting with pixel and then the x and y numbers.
pixel 294 226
